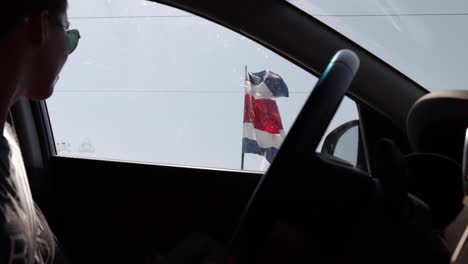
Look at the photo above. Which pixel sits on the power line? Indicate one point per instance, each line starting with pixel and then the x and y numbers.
pixel 315 15
pixel 143 91
pixel 160 91
pixel 130 17
pixel 390 15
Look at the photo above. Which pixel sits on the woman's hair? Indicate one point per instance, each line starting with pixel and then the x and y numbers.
pixel 16 10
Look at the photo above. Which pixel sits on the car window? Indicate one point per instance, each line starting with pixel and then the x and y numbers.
pixel 154 84
pixel 343 140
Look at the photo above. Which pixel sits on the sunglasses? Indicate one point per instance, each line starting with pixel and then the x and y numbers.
pixel 73 36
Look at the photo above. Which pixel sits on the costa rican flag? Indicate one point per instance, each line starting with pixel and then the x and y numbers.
pixel 263 128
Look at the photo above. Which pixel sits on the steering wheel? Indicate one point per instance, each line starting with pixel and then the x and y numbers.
pixel 302 141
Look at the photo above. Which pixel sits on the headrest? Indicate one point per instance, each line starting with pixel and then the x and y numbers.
pixel 437 123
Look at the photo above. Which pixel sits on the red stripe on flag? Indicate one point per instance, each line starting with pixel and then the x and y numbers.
pixel 263 113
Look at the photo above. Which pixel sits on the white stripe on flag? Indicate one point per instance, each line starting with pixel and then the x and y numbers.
pixel 263 139
pixel 260 91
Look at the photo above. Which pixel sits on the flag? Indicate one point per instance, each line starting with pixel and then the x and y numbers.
pixel 263 128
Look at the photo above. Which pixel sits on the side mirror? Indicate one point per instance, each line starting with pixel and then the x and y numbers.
pixel 344 145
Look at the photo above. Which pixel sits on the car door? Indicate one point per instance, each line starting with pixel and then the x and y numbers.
pixel 141 144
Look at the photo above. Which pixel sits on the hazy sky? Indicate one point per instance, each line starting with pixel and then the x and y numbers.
pixel 425 39
pixel 149 83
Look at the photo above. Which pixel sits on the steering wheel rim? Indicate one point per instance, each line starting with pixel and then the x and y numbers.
pixel 322 104
pixel 310 125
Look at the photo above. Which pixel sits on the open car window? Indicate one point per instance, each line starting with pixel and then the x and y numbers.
pixel 154 84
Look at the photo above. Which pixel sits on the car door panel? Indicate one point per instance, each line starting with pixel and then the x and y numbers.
pixel 100 207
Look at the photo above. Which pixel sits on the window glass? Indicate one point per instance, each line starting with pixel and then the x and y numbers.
pixel 342 140
pixel 153 84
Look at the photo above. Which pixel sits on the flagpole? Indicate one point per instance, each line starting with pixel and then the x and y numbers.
pixel 243 145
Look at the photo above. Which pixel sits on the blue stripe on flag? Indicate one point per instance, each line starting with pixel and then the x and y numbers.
pixel 251 146
pixel 272 80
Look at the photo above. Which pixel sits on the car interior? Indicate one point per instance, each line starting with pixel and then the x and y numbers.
pixel 404 203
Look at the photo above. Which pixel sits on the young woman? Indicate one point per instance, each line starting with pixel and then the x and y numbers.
pixel 34 45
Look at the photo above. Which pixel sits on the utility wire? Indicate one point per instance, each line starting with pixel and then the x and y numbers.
pixel 159 91
pixel 127 17
pixel 390 15
pixel 314 15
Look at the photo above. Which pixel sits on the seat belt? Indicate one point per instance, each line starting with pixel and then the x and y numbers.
pixel 460 246
pixel 461 243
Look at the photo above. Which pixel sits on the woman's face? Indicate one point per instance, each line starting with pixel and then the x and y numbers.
pixel 47 58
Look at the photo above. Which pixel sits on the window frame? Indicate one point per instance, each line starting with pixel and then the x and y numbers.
pixel 51 144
